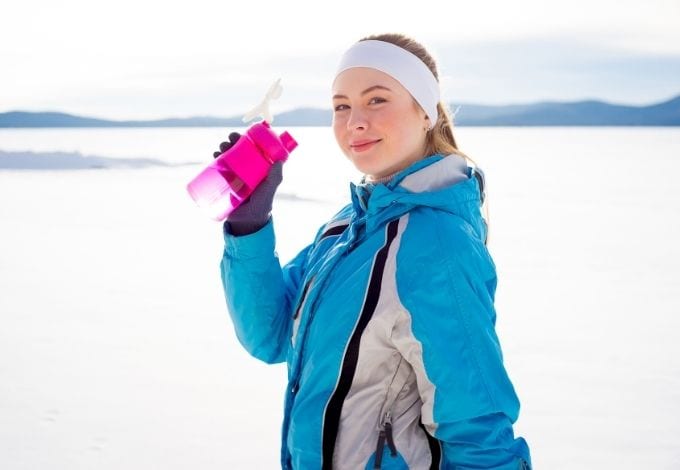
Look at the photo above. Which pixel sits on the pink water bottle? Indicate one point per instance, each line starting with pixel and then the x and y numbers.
pixel 228 181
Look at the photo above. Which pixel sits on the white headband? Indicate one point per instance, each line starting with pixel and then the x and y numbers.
pixel 401 65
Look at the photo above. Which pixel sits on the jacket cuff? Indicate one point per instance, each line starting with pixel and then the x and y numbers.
pixel 260 243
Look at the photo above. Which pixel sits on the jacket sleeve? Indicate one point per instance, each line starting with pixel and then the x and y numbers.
pixel 259 292
pixel 446 283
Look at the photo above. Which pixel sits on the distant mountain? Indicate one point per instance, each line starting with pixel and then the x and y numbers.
pixel 580 113
pixel 69 161
pixel 51 119
pixel 304 117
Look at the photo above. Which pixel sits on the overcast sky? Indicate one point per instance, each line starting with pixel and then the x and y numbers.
pixel 136 59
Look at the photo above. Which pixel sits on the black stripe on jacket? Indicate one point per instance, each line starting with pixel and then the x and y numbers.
pixel 435 448
pixel 337 230
pixel 331 420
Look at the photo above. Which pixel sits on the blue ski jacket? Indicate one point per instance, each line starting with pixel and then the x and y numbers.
pixel 387 323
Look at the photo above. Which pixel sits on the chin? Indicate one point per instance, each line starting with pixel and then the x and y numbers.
pixel 368 165
pixel 367 170
pixel 359 165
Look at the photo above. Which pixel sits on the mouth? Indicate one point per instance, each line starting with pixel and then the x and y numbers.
pixel 363 145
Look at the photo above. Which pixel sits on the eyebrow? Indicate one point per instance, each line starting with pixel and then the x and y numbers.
pixel 367 90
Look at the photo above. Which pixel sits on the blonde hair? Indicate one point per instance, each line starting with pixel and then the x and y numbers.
pixel 439 139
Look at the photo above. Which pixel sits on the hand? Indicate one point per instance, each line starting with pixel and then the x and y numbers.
pixel 254 212
pixel 224 146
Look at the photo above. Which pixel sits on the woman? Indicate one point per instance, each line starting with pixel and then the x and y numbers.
pixel 386 319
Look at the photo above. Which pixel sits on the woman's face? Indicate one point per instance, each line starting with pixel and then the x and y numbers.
pixel 376 121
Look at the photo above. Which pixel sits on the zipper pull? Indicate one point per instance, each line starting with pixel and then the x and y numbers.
pixel 379 450
pixel 385 436
pixel 382 437
pixel 387 425
pixel 390 439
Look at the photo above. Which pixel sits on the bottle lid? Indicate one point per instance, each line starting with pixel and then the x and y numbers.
pixel 289 143
pixel 262 108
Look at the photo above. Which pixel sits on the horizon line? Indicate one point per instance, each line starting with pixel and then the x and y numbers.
pixel 319 108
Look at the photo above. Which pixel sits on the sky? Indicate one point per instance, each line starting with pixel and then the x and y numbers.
pixel 134 59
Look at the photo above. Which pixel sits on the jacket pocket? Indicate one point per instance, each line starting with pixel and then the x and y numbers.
pixel 297 317
pixel 386 455
pixel 386 461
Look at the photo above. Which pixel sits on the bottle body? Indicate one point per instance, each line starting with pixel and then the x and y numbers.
pixel 228 181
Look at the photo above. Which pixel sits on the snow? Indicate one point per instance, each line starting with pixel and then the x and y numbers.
pixel 68 161
pixel 116 350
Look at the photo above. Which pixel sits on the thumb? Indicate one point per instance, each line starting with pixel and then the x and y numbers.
pixel 275 175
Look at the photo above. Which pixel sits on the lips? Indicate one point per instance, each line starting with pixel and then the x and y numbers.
pixel 363 145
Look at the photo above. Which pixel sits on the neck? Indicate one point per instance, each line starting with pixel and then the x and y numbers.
pixel 380 179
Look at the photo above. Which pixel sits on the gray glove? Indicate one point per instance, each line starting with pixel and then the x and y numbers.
pixel 254 212
pixel 226 145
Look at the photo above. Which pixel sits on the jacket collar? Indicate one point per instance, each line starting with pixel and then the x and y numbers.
pixel 439 182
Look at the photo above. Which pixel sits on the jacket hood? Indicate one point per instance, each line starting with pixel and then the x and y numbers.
pixel 437 182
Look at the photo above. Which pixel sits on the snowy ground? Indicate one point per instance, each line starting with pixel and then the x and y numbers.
pixel 116 350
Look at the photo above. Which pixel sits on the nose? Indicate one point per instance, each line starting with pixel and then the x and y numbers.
pixel 357 120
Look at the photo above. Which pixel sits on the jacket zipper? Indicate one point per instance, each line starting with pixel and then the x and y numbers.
pixel 385 436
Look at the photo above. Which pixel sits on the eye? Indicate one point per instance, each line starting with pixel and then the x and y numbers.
pixel 341 107
pixel 377 100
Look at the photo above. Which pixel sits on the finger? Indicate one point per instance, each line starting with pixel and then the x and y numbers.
pixel 216 154
pixel 233 137
pixel 276 173
pixel 224 146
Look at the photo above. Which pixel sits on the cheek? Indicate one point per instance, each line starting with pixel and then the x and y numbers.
pixel 395 122
pixel 338 130
pixel 410 126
